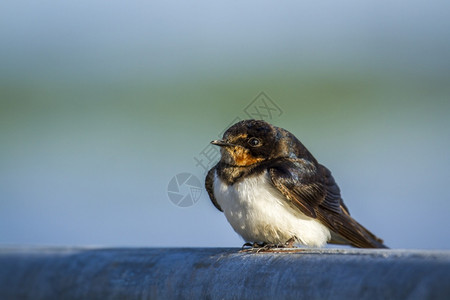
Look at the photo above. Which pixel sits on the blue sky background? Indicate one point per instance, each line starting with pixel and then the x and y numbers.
pixel 103 102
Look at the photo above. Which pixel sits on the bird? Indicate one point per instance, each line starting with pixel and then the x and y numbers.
pixel 274 193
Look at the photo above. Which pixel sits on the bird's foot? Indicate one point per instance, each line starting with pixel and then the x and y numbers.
pixel 266 247
pixel 290 243
pixel 269 247
pixel 251 246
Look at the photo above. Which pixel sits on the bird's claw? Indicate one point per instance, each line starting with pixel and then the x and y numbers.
pixel 252 246
pixel 266 247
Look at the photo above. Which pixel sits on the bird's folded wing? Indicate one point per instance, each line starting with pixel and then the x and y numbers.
pixel 313 191
pixel 296 180
pixel 209 185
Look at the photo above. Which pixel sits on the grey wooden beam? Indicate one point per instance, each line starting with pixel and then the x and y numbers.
pixel 222 273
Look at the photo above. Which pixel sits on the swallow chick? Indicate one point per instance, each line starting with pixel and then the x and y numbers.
pixel 274 192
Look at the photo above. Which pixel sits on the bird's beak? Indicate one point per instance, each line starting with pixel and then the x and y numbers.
pixel 221 143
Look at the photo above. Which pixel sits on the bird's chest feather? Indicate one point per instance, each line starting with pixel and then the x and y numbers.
pixel 259 213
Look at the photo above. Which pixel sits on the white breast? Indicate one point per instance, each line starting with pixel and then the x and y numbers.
pixel 258 212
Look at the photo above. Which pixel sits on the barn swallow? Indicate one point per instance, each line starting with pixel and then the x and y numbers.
pixel 274 192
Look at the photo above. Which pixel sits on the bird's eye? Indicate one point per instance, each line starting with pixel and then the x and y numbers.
pixel 254 142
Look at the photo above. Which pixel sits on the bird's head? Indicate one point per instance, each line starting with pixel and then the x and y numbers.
pixel 249 142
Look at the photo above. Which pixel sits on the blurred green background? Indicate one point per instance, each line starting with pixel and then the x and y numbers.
pixel 103 102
